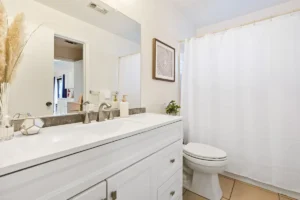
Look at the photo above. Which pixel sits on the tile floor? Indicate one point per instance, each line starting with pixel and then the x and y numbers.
pixel 237 190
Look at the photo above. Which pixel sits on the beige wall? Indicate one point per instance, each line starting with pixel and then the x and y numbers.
pixel 159 19
pixel 265 13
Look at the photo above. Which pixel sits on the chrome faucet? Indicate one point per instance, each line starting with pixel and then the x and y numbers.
pixel 101 116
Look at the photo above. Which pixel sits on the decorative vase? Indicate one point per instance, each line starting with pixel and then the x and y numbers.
pixel 6 128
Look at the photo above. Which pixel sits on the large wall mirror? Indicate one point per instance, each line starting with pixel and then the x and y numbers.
pixel 81 51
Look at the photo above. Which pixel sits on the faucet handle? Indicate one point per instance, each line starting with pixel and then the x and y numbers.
pixel 107 107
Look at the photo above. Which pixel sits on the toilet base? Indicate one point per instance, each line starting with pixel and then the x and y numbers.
pixel 205 185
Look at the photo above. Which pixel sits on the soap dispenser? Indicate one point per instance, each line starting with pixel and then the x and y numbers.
pixel 115 102
pixel 124 107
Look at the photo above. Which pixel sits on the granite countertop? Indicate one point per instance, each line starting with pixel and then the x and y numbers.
pixel 59 141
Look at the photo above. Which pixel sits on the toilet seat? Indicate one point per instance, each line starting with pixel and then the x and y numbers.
pixel 207 163
pixel 204 152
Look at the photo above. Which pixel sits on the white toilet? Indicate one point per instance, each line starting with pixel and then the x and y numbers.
pixel 202 163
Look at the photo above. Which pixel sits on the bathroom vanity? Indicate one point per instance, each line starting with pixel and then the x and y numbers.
pixel 135 158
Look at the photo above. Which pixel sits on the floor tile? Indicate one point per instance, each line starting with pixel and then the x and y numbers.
pixel 283 197
pixel 226 186
pixel 243 191
pixel 191 196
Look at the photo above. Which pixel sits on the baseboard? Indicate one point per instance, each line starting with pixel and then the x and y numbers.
pixel 263 185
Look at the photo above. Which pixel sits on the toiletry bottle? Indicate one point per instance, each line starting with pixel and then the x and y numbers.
pixel 124 107
pixel 115 103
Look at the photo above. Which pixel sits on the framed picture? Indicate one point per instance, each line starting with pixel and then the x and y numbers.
pixel 163 61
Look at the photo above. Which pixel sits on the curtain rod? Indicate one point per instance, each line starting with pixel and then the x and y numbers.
pixel 245 24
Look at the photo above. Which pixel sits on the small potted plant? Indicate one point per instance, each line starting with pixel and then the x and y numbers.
pixel 172 108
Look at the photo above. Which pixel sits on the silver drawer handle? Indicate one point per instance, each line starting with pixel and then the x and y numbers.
pixel 172 193
pixel 172 160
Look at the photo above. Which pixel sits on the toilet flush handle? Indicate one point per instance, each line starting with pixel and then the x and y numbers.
pixel 172 160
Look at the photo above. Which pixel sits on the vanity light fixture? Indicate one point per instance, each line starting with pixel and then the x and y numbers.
pixel 99 8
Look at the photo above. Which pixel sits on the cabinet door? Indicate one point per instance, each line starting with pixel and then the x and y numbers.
pixel 134 183
pixel 98 192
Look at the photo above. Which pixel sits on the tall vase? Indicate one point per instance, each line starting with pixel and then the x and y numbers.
pixel 6 128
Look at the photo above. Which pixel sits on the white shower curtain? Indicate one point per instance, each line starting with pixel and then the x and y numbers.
pixel 241 93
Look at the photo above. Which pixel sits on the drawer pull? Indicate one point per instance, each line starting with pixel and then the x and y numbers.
pixel 172 160
pixel 172 193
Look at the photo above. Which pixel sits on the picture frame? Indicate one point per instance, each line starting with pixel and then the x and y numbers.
pixel 163 61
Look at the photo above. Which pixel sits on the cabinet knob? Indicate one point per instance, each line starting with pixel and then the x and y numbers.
pixel 172 160
pixel 172 193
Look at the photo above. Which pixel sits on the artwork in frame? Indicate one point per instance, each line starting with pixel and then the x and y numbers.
pixel 163 61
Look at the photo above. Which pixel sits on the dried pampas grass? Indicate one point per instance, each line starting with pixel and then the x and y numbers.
pixel 3 32
pixel 14 45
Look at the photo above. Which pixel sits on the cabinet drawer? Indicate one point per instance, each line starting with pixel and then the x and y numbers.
pixel 98 192
pixel 172 189
pixel 170 161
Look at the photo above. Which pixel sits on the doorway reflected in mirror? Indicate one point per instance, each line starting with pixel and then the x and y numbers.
pixel 68 76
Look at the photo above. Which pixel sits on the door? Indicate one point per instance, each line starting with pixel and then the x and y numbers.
pixel 98 192
pixel 133 183
pixel 33 83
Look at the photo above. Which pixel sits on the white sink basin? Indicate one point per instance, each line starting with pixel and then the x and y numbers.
pixel 109 127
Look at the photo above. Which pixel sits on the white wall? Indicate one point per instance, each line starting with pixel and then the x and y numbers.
pixel 129 79
pixel 63 67
pixel 98 41
pixel 78 80
pixel 32 86
pixel 105 75
pixel 265 13
pixel 159 19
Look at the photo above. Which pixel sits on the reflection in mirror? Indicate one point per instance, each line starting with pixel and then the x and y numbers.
pixel 84 51
pixel 68 76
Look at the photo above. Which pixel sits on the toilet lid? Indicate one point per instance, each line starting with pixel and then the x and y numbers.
pixel 204 151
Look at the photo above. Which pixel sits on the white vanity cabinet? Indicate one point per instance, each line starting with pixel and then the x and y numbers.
pixel 144 166
pixel 133 183
pixel 150 177
pixel 97 192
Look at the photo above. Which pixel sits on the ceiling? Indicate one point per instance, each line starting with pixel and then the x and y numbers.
pixel 60 42
pixel 67 50
pixel 207 12
pixel 113 22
